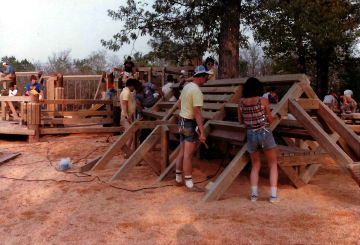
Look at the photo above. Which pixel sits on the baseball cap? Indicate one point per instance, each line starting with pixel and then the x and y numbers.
pixel 111 86
pixel 201 69
pixel 4 63
pixel 183 71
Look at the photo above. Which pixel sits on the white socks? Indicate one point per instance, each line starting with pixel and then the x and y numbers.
pixel 273 191
pixel 188 181
pixel 178 176
pixel 254 190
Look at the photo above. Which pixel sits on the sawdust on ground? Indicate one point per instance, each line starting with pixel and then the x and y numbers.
pixel 49 212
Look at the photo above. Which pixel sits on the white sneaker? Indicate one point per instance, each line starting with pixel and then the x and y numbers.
pixel 274 199
pixel 254 198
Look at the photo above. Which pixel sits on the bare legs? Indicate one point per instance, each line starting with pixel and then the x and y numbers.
pixel 185 156
pixel 256 163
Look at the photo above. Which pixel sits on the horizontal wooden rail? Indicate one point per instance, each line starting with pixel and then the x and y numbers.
pixel 76 120
pixel 15 98
pixel 76 113
pixel 80 130
pixel 80 102
pixel 79 77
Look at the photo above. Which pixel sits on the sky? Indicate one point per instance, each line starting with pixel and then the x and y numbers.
pixel 35 29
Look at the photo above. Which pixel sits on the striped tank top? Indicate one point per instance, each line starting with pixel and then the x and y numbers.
pixel 254 115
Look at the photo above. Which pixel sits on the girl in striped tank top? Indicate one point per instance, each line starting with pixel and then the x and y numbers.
pixel 254 113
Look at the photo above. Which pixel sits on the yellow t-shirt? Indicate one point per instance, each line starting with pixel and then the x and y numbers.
pixel 126 95
pixel 190 96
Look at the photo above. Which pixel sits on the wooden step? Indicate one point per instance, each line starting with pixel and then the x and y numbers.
pixel 157 114
pixel 216 98
pixel 229 136
pixel 166 105
pixel 205 114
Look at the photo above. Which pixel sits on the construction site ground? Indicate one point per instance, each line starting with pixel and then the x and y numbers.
pixel 49 212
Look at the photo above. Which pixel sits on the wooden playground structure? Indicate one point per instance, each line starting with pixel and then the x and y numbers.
pixel 304 143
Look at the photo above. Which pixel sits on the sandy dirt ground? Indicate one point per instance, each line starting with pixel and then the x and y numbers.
pixel 47 212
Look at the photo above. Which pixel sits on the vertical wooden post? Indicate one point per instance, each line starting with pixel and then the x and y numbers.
pixel 149 74
pixel 164 147
pixel 34 117
pixel 104 86
pixel 163 76
pixel 3 111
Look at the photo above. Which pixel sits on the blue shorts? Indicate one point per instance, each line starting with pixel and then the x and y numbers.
pixel 261 139
pixel 187 130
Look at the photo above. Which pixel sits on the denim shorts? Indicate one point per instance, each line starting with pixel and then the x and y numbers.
pixel 187 130
pixel 261 139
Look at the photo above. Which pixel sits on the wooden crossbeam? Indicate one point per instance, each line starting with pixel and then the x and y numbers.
pixel 321 137
pixel 340 127
pixel 138 155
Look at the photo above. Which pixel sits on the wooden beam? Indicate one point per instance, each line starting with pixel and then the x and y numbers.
pixel 90 164
pixel 320 136
pixel 309 172
pixel 17 130
pixel 81 102
pixel 308 103
pixel 76 120
pixel 340 127
pixel 10 157
pixel 138 155
pixel 164 147
pixel 293 176
pixel 15 98
pixel 120 142
pixel 80 130
pixel 76 113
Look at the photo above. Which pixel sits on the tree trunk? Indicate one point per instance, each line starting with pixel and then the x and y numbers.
pixel 322 73
pixel 229 40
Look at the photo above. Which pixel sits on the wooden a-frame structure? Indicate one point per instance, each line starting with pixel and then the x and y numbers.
pixel 220 100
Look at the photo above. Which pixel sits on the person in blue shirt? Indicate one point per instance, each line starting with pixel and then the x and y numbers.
pixel 110 93
pixel 8 74
pixel 34 88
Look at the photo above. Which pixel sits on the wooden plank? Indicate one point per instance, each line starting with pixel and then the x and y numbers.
pixel 171 166
pixel 354 168
pixel 78 77
pixel 351 116
pixel 13 109
pixel 340 127
pixel 293 176
pixel 166 105
pixel 231 136
pixel 355 128
pixel 120 142
pixel 15 98
pixel 308 103
pixel 76 113
pixel 212 106
pixel 3 111
pixel 271 80
pixel 137 155
pixel 17 130
pixel 90 164
pixel 155 114
pixel 320 136
pixel 164 147
pixel 76 120
pixel 301 160
pixel 10 157
pixel 80 102
pixel 205 114
pixel 309 172
pixel 218 90
pixel 216 98
pixel 80 130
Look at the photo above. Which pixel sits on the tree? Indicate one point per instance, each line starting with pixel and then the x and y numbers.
pixel 61 62
pixel 198 25
pixel 319 32
pixel 19 66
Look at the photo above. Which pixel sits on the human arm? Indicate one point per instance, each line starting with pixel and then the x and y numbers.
pixel 211 75
pixel 240 117
pixel 199 121
pixel 42 95
pixel 160 92
pixel 266 104
pixel 123 68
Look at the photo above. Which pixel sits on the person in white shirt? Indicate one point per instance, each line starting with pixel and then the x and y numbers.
pixel 330 100
pixel 13 92
pixel 348 93
pixel 166 89
pixel 266 95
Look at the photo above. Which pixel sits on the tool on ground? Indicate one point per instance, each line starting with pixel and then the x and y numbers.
pixel 197 131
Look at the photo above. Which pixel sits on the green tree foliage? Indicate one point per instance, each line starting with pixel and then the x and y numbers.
pixel 197 26
pixel 19 66
pixel 349 76
pixel 319 32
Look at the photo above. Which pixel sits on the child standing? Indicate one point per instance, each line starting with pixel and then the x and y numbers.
pixel 254 113
pixel 273 98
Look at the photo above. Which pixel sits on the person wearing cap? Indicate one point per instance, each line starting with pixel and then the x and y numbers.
pixel 166 89
pixel 190 104
pixel 9 73
pixel 111 92
pixel 329 100
pixel 128 68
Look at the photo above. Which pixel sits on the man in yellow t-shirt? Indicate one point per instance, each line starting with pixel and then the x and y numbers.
pixel 190 104
pixel 127 106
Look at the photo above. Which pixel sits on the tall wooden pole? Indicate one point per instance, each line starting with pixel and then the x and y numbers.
pixel 34 117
